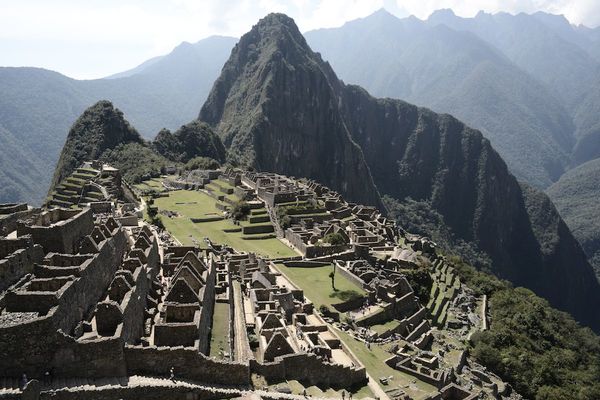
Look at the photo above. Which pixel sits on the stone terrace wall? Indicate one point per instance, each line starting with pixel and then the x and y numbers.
pixel 135 304
pixel 307 368
pixel 188 364
pixel 208 305
pixel 166 392
pixel 8 222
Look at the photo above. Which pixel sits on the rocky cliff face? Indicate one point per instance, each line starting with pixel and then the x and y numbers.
pixel 415 153
pixel 279 107
pixel 276 108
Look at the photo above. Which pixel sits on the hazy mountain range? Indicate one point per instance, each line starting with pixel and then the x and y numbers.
pixel 37 108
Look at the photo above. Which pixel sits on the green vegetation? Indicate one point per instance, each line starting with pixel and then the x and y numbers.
pixel 101 127
pixel 334 239
pixel 421 282
pixel 137 162
pixel 201 163
pixel 542 352
pixel 190 141
pixel 316 283
pixel 193 204
pixel 240 210
pixel 575 195
pixel 421 218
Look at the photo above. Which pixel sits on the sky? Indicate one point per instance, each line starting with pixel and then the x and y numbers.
pixel 96 38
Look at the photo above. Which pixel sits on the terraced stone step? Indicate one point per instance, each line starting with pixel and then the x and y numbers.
pixel 60 203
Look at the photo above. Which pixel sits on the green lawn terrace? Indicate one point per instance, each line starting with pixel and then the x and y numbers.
pixel 197 205
pixel 219 334
pixel 151 185
pixel 314 279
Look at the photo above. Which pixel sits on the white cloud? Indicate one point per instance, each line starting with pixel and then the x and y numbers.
pixel 99 37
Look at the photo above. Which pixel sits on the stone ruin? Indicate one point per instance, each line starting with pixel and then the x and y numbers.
pixel 92 299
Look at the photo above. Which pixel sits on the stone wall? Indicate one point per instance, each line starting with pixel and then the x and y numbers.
pixel 350 276
pixel 8 222
pixel 34 344
pixel 134 306
pixel 308 368
pixel 159 392
pixel 18 257
pixel 62 236
pixel 188 364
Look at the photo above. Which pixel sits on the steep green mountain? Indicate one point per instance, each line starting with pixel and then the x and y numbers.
pixel 278 106
pixel 99 128
pixel 103 133
pixel 456 72
pixel 195 139
pixel 576 198
pixel 37 107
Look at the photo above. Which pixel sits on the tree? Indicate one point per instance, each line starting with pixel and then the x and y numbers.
pixel 334 239
pixel 332 276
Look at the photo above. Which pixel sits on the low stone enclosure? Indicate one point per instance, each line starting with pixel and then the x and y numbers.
pixel 94 295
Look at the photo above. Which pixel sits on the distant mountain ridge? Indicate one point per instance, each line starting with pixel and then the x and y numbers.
pixel 278 106
pixel 37 108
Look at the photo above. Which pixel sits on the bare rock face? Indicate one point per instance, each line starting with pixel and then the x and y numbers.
pixel 279 107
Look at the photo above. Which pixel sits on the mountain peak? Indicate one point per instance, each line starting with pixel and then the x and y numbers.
pixel 442 14
pixel 259 104
pixel 100 127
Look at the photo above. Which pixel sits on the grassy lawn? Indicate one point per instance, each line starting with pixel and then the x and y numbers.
pixel 316 283
pixel 219 335
pixel 315 391
pixel 374 362
pixel 195 204
pixel 381 328
pixel 154 183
